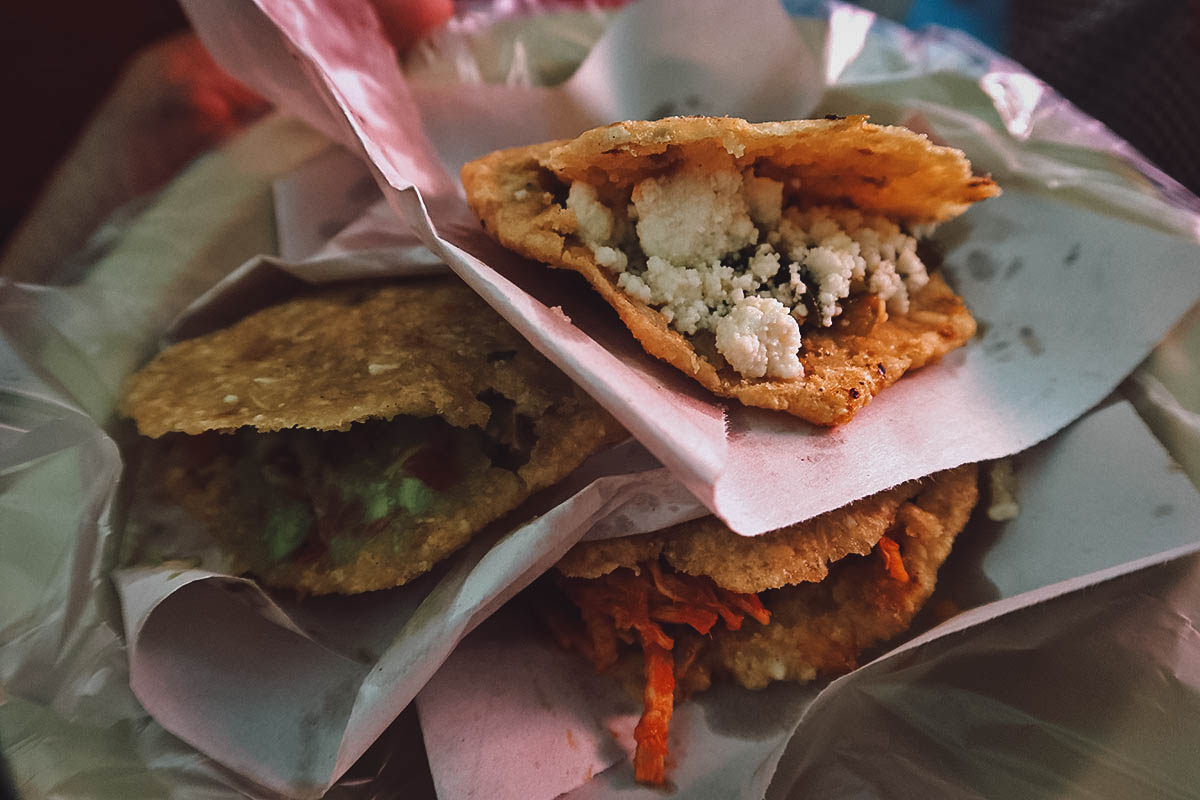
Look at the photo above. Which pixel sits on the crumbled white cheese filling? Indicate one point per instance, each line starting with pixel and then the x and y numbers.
pixel 717 251
pixel 693 215
pixel 759 337
pixel 598 226
pixel 595 219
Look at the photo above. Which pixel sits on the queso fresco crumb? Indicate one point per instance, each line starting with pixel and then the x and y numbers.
pixel 717 251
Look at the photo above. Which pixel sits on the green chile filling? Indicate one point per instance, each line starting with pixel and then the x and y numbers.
pixel 287 527
pixel 330 492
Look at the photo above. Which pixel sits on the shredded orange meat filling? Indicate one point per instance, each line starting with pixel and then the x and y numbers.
pixel 892 563
pixel 625 605
pixel 658 701
pixel 623 602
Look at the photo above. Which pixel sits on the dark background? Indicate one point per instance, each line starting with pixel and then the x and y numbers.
pixel 58 59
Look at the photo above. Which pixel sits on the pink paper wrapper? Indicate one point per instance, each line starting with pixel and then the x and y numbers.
pixel 208 649
pixel 1038 688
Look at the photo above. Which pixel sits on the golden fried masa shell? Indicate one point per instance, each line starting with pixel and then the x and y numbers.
pixel 517 193
pixel 329 358
pixel 750 564
pixel 882 168
pixel 799 553
pixel 822 628
pixel 338 356
pixel 831 609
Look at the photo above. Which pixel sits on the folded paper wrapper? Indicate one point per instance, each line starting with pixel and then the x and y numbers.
pixel 510 676
pixel 1043 361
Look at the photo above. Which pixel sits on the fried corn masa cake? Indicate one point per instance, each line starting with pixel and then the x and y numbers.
pixel 702 602
pixel 350 438
pixel 775 263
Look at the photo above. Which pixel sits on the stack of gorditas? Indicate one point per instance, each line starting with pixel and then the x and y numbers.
pixel 781 265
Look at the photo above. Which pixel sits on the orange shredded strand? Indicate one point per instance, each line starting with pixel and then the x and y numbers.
pixel 623 597
pixel 658 702
pixel 748 604
pixel 624 601
pixel 681 588
pixel 703 594
pixel 700 619
pixel 892 563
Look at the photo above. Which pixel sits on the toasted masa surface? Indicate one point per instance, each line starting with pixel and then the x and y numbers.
pixel 750 564
pixel 518 196
pixel 336 357
pixel 839 599
pixel 887 169
pixel 823 628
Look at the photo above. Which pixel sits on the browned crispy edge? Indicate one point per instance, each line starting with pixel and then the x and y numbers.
pixel 845 366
